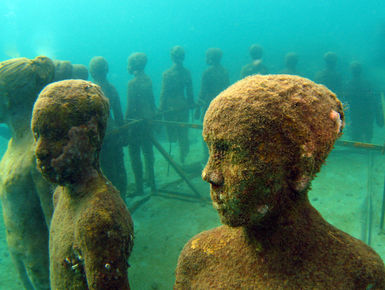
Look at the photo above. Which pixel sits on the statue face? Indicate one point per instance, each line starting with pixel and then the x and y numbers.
pixel 98 68
pixel 63 152
pixel 50 142
pixel 267 136
pixel 3 108
pixel 243 187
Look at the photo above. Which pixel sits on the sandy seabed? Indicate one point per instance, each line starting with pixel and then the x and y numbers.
pixel 341 192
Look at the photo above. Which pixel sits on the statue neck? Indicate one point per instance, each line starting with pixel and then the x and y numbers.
pixel 85 184
pixel 292 224
pixel 20 125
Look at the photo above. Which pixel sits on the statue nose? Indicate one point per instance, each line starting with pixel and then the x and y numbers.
pixel 40 152
pixel 213 177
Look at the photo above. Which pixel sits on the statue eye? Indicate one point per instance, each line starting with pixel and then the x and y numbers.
pixel 221 147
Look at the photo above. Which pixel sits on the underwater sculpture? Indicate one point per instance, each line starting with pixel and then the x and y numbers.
pixel 79 72
pixel 140 105
pixel 256 66
pixel 214 80
pixel 291 61
pixel 364 105
pixel 111 155
pixel 63 70
pixel 329 76
pixel 91 233
pixel 25 196
pixel 268 137
pixel 176 98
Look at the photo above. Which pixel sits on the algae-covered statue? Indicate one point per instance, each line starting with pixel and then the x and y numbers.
pixel 214 80
pixel 176 98
pixel 268 137
pixel 364 105
pixel 79 72
pixel 112 155
pixel 330 76
pixel 63 70
pixel 25 196
pixel 256 66
pixel 140 105
pixel 91 233
pixel 291 61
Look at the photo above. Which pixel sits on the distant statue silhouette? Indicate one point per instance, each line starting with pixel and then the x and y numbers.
pixel 176 98
pixel 256 66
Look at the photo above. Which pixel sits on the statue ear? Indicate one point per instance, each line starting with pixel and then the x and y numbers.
pixel 305 169
pixel 302 184
pixel 93 133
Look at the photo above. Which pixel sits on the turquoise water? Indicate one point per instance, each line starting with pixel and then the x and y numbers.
pixel 77 30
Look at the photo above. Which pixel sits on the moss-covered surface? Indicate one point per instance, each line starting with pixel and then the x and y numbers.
pixel 91 233
pixel 25 196
pixel 79 72
pixel 90 239
pixel 338 193
pixel 268 136
pixel 63 70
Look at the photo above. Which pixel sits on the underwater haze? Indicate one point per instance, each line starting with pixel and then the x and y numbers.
pixel 79 30
pixel 349 190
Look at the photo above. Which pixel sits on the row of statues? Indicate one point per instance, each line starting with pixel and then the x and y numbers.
pixel 79 234
pixel 68 227
pixel 176 99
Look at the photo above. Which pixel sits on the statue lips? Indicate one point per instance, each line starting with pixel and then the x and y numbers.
pixel 216 196
pixel 43 166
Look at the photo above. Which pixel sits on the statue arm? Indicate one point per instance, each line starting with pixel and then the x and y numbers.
pixel 204 88
pixel 189 90
pixel 116 106
pixel 163 94
pixel 152 99
pixel 130 101
pixel 183 275
pixel 44 191
pixel 244 72
pixel 105 251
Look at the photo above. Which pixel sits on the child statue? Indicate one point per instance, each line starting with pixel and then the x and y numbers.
pixel 26 197
pixel 91 233
pixel 268 137
pixel 140 105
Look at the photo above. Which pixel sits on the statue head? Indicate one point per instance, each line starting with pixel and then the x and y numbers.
pixel 177 54
pixel 98 68
pixel 291 60
pixel 21 79
pixel 79 72
pixel 267 137
pixel 63 70
pixel 256 51
pixel 213 56
pixel 330 59
pixel 68 123
pixel 136 62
